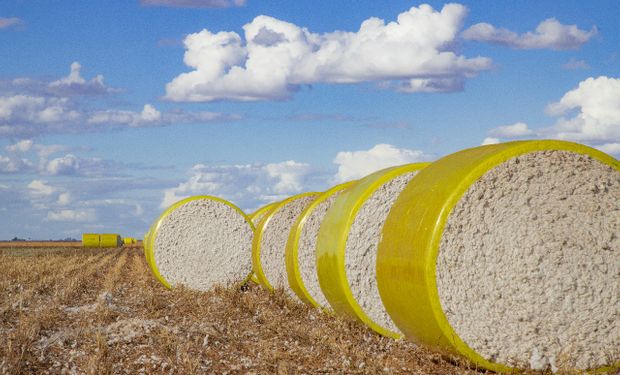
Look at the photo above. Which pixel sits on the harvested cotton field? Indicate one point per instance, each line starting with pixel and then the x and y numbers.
pixel 100 311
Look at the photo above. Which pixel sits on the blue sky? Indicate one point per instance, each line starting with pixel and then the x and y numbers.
pixel 110 111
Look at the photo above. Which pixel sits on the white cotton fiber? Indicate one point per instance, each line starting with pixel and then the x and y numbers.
pixel 362 245
pixel 528 271
pixel 203 243
pixel 273 241
pixel 306 253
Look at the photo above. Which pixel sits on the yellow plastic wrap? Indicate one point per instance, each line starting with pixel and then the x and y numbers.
pixel 111 240
pixel 292 246
pixel 408 251
pixel 149 258
pixel 256 216
pixel 91 240
pixel 145 244
pixel 332 240
pixel 149 246
pixel 258 235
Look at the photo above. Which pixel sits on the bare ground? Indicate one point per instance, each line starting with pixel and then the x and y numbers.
pixel 101 312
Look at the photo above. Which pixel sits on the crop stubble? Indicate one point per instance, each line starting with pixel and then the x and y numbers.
pixel 101 311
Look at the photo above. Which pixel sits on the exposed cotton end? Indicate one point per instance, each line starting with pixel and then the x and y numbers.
pixel 203 243
pixel 528 271
pixel 362 245
pixel 274 237
pixel 306 253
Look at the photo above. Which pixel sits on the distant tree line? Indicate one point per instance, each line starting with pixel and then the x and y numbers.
pixel 68 239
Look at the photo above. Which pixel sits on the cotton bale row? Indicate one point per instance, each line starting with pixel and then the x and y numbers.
pixel 525 273
pixel 105 240
pixel 200 242
pixel 505 254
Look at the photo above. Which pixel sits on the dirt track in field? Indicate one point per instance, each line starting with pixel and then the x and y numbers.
pixel 67 310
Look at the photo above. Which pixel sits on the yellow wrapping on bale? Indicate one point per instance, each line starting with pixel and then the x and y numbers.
pixel 256 217
pixel 257 266
pixel 295 279
pixel 109 240
pixel 146 243
pixel 91 240
pixel 128 241
pixel 332 242
pixel 409 247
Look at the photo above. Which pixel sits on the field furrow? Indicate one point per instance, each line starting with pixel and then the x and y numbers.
pixel 103 312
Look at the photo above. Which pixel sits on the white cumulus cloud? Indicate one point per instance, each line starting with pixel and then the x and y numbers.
pixel 31 107
pixel 289 175
pixel 13 164
pixel 21 146
pixel 8 22
pixel 275 58
pixel 357 164
pixel 35 109
pixel 87 215
pixel 549 34
pixel 490 141
pixel 516 130
pixel 148 115
pixel 64 199
pixel 65 165
pixel 75 84
pixel 151 116
pixel 589 113
pixel 247 185
pixel 40 188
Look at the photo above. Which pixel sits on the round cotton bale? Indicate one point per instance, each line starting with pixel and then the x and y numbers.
pixel 256 217
pixel 110 240
pixel 301 248
pixel 347 246
pixel 269 244
pixel 201 242
pixel 509 255
pixel 91 240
